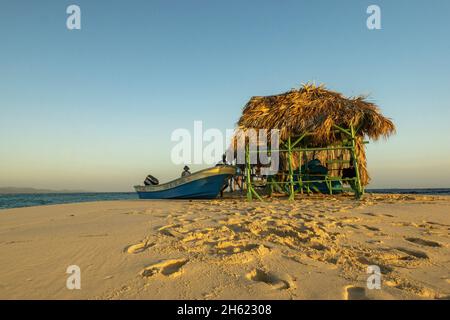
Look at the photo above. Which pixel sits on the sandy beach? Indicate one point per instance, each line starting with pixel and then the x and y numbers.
pixel 312 248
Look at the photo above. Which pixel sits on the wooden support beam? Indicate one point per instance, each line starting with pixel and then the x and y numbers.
pixel 248 173
pixel 291 172
pixel 343 130
pixel 358 186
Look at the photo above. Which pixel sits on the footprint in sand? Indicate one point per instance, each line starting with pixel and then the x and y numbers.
pixel 408 286
pixel 259 275
pixel 369 214
pixel 167 230
pixel 139 247
pixel 414 253
pixel 228 247
pixel 17 241
pixel 371 228
pixel 167 268
pixel 423 242
pixel 93 235
pixel 436 223
pixel 403 224
pixel 355 293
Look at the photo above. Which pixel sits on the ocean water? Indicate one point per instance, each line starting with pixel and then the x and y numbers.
pixel 28 200
pixel 430 191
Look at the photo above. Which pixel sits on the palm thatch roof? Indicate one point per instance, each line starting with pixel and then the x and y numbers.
pixel 317 110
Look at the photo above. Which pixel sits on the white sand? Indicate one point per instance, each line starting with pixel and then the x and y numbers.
pixel 312 248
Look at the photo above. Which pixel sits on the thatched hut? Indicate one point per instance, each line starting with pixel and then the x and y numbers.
pixel 325 119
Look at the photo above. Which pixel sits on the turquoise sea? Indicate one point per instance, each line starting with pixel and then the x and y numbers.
pixel 28 200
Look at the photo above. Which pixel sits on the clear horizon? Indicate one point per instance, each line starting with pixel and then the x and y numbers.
pixel 94 109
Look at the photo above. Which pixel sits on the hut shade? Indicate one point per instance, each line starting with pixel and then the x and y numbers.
pixel 317 110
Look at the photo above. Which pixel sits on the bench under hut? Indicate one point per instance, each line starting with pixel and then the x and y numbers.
pixel 316 127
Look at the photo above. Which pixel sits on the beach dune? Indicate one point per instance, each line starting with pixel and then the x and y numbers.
pixel 316 247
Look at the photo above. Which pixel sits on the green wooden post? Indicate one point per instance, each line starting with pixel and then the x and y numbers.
pixel 291 173
pixel 249 171
pixel 270 178
pixel 329 185
pixel 300 182
pixel 355 163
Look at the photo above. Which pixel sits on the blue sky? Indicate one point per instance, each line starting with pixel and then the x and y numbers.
pixel 94 108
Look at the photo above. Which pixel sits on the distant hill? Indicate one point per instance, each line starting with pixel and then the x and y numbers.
pixel 12 190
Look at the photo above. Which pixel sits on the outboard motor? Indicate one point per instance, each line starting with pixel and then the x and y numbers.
pixel 151 180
